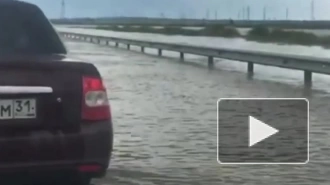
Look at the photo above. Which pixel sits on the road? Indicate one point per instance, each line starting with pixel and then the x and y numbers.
pixel 164 116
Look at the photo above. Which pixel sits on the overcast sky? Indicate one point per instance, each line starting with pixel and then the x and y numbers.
pixel 298 9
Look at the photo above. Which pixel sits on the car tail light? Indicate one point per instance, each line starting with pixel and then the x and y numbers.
pixel 95 105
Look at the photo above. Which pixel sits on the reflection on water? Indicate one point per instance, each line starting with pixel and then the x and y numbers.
pixel 165 120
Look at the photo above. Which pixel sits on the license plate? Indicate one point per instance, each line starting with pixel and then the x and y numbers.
pixel 18 109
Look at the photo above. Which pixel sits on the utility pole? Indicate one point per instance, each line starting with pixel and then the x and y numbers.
pixel 243 16
pixel 62 16
pixel 216 15
pixel 264 13
pixel 287 13
pixel 312 10
pixel 248 12
pixel 207 14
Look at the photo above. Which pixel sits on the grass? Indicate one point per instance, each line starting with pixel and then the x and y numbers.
pixel 277 35
pixel 217 31
pixel 258 33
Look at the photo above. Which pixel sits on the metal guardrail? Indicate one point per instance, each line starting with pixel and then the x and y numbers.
pixel 306 64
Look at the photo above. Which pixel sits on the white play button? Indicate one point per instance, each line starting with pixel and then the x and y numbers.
pixel 259 131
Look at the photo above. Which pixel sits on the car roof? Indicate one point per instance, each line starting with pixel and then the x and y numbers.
pixel 16 3
pixel 30 15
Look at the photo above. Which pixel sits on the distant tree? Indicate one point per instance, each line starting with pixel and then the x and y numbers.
pixel 231 22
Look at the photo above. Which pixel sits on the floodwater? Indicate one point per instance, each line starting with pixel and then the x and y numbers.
pixel 214 42
pixel 242 31
pixel 164 114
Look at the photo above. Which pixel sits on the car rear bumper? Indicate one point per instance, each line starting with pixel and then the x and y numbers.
pixel 46 174
pixel 86 152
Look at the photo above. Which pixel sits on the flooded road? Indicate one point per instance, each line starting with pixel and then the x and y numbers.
pixel 164 114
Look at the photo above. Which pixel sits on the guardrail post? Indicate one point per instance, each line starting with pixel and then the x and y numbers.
pixel 250 68
pixel 159 52
pixel 181 56
pixel 107 42
pixel 117 44
pixel 308 78
pixel 98 41
pixel 142 49
pixel 128 46
pixel 210 62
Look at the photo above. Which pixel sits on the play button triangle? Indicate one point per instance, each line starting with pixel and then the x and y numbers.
pixel 259 131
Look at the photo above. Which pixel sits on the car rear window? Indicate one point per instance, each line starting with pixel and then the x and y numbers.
pixel 25 29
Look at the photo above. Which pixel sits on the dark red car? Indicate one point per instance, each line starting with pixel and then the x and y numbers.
pixel 55 121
